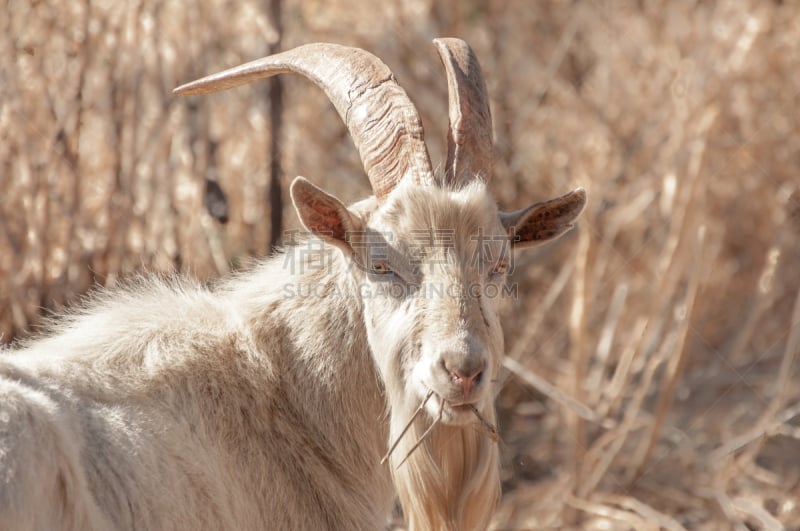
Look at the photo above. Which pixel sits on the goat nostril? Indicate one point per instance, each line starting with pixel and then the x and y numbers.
pixel 467 371
pixel 467 376
pixel 464 372
pixel 474 376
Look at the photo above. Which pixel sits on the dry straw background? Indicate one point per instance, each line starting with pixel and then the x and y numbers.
pixel 672 312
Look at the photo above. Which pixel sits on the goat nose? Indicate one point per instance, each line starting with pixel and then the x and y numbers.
pixel 467 374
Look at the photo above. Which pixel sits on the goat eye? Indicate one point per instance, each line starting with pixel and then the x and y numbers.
pixel 500 268
pixel 380 268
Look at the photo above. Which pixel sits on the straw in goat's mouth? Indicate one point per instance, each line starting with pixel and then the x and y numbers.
pixel 425 434
pixel 399 437
pixel 488 426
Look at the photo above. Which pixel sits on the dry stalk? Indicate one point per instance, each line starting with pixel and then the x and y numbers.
pixel 560 53
pixel 578 354
pixel 614 391
pixel 642 509
pixel 627 214
pixel 770 420
pixel 599 509
pixel 602 452
pixel 214 241
pixel 523 344
pixel 776 426
pixel 595 378
pixel 632 411
pixel 490 428
pixel 724 501
pixel 425 434
pixel 763 297
pixel 676 362
pixel 755 511
pixel 410 421
pixel 554 393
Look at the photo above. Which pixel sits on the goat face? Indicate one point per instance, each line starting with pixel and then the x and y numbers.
pixel 432 263
pixel 432 300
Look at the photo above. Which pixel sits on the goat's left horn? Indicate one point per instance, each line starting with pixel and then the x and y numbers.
pixel 384 124
pixel 469 139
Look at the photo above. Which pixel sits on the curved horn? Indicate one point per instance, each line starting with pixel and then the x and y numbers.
pixel 469 139
pixel 382 121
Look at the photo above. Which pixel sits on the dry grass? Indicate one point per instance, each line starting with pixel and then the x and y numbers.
pixel 670 316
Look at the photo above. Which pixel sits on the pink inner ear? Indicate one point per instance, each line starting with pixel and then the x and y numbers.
pixel 546 222
pixel 321 213
pixel 539 230
pixel 552 218
pixel 324 219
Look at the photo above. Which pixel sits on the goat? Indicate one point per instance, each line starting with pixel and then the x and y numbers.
pixel 268 399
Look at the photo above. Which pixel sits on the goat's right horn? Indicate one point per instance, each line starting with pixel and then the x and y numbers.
pixel 469 140
pixel 385 125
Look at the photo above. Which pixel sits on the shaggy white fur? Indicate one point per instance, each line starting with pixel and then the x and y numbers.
pixel 267 401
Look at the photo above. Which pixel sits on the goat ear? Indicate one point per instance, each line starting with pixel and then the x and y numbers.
pixel 323 214
pixel 542 222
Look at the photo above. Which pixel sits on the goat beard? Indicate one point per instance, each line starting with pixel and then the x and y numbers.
pixel 451 480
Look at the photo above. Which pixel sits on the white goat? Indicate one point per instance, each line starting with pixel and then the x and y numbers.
pixel 268 400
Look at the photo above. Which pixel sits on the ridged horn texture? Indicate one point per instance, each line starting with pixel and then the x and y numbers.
pixel 469 139
pixel 384 124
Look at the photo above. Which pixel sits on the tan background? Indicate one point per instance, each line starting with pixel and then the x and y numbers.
pixel 669 311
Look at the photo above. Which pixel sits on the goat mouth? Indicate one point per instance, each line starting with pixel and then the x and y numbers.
pixel 457 403
pixel 454 413
pixel 465 413
pixel 462 416
pixel 460 410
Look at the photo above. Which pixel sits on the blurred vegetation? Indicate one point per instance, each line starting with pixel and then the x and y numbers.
pixel 672 311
